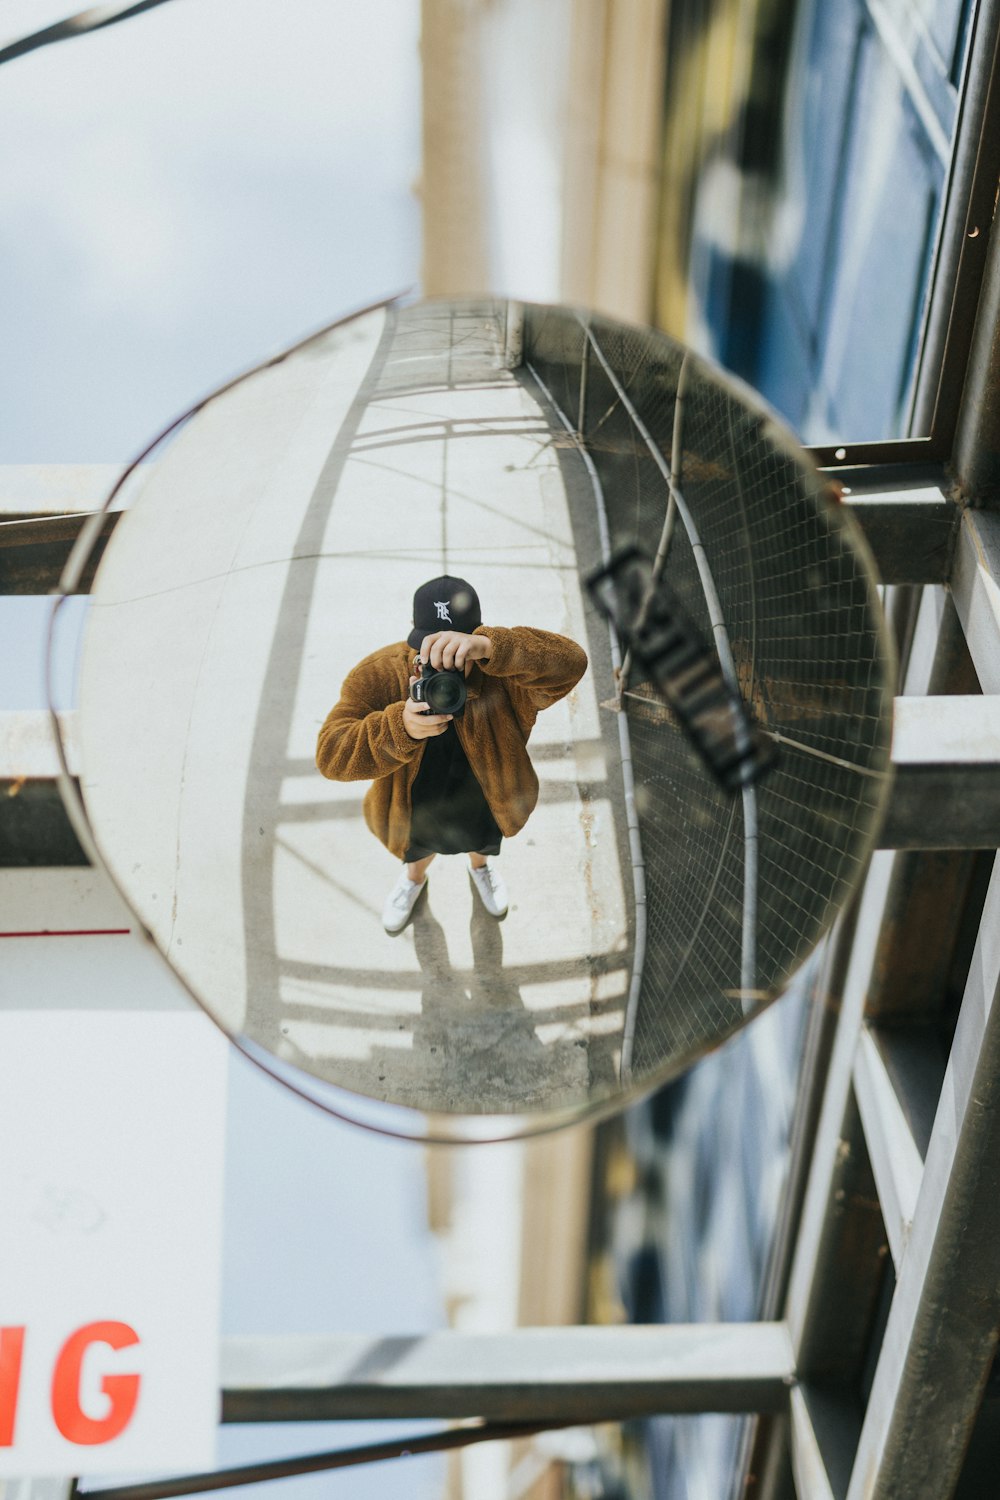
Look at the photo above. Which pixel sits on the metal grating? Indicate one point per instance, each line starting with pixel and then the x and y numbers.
pixel 809 651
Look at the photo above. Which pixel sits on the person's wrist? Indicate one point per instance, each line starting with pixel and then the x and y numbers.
pixel 404 715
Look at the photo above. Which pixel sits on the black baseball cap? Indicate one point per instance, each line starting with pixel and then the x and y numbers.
pixel 444 604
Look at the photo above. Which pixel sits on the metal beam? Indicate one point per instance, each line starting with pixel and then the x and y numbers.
pixel 946 783
pixel 913 1057
pixel 33 552
pixel 834 1213
pixel 837 1238
pixel 34 827
pixel 892 1149
pixel 824 1435
pixel 834 1319
pixel 944 807
pixel 916 949
pixel 265 1470
pixel 946 789
pixel 811 1478
pixel 941 1337
pixel 900 455
pixel 975 457
pixel 534 1374
pixel 975 587
pixel 911 533
pixel 767 1461
pixel 35 831
pixel 963 240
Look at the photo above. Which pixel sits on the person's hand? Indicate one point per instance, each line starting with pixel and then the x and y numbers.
pixel 420 725
pixel 450 648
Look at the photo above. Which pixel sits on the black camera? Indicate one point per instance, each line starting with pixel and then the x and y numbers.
pixel 441 688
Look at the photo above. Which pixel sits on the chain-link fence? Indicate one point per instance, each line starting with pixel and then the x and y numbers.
pixel 810 654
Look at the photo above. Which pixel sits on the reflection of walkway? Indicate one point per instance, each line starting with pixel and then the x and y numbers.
pixel 447 463
pixel 475 1037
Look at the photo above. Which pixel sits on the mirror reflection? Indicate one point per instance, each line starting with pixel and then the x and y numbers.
pixel 389 792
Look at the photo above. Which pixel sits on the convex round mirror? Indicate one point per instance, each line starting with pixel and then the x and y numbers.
pixel 652 905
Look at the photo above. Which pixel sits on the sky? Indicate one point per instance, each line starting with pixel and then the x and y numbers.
pixel 187 191
pixel 179 196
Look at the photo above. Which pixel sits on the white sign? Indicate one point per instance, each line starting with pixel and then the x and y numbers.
pixel 112 1122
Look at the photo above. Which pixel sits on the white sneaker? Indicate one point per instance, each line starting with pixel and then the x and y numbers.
pixel 401 900
pixel 491 888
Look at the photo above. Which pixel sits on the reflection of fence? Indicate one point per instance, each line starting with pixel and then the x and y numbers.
pixel 806 649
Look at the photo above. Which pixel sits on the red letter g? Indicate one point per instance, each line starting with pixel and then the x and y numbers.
pixel 122 1390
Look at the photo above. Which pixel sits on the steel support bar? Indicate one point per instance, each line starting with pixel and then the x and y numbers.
pixel 964 237
pixel 946 787
pixel 941 1337
pixel 811 1478
pixel 975 458
pixel 946 781
pixel 34 552
pixel 35 832
pixel 833 1283
pixel 834 1308
pixel 34 827
pixel 824 1435
pixel 534 1374
pixel 886 477
pixel 951 806
pixel 975 587
pixel 892 1149
pixel 901 454
pixel 911 536
pixel 266 1470
pixel 911 533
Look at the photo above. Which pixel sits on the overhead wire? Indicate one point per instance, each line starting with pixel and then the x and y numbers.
pixel 441 1441
pixel 94 18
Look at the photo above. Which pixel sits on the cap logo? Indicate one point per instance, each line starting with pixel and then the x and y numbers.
pixel 441 605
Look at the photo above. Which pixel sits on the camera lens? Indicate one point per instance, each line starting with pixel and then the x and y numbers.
pixel 445 692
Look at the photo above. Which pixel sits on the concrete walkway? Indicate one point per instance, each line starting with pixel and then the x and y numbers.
pixel 453 469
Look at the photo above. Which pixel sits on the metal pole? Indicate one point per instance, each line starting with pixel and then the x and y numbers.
pixel 316 1463
pixel 941 1338
pixel 976 459
pixel 964 230
pixel 544 1376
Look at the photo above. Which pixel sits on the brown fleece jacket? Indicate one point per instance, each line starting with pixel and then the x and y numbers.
pixel 363 736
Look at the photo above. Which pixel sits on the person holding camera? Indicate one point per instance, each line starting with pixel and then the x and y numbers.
pixel 442 736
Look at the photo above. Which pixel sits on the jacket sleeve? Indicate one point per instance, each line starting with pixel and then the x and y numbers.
pixel 543 665
pixel 363 736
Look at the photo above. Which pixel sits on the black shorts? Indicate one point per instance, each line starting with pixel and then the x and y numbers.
pixel 417 852
pixel 449 813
